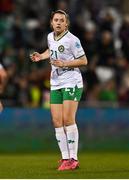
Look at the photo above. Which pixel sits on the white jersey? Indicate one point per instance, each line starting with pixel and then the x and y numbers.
pixel 66 48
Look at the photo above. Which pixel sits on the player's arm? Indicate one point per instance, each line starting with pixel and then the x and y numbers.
pixel 82 61
pixel 38 57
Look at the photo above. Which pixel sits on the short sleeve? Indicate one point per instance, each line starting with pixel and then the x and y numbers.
pixel 76 48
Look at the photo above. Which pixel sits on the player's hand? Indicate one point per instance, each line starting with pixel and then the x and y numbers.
pixel 35 57
pixel 58 63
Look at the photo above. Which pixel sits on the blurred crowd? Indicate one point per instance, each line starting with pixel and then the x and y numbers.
pixel 104 34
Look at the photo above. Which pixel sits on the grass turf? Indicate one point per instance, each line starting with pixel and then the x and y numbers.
pixel 41 166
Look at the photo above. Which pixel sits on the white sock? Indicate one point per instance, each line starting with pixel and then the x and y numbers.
pixel 72 139
pixel 62 142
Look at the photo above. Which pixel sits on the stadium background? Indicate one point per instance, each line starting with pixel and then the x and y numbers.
pixel 103 116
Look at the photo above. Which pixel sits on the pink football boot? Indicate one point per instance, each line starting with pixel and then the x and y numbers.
pixel 73 164
pixel 63 164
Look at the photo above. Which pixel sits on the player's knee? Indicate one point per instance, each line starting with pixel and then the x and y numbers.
pixel 57 124
pixel 68 119
pixel 57 121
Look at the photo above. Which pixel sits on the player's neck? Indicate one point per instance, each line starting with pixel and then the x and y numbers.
pixel 59 35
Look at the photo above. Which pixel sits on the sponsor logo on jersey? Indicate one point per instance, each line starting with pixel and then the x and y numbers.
pixel 61 48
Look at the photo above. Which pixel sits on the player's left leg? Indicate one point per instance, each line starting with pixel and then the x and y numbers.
pixel 69 113
pixel 70 104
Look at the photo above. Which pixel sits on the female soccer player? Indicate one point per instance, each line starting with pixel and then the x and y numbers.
pixel 66 55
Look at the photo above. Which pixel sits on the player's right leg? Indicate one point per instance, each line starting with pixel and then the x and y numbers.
pixel 57 119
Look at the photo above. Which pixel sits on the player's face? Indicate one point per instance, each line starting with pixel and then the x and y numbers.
pixel 59 23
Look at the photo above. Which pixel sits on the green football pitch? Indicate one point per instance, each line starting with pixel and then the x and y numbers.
pixel 41 166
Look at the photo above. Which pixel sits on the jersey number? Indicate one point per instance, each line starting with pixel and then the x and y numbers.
pixel 54 54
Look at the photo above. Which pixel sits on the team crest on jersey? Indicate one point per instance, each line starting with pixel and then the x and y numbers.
pixel 61 48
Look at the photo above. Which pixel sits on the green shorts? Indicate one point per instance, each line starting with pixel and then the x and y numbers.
pixel 58 96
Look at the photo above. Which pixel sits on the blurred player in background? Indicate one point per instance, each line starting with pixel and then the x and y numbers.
pixel 3 76
pixel 66 55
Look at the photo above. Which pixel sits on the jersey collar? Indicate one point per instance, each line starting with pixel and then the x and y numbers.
pixel 57 38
